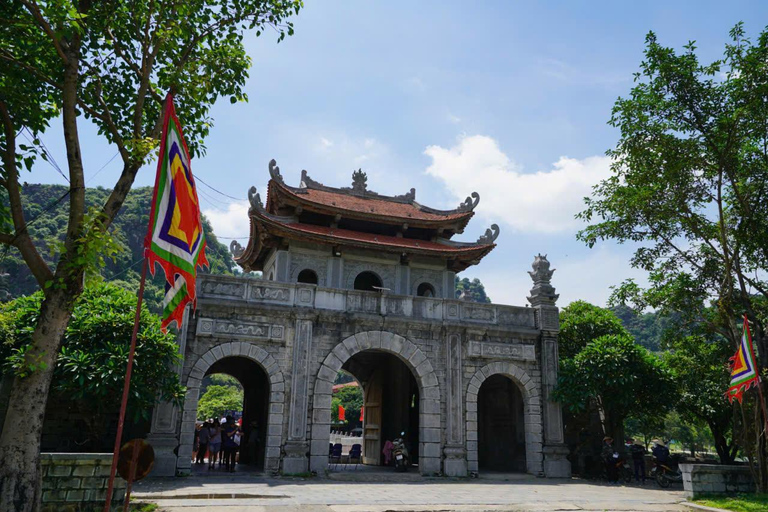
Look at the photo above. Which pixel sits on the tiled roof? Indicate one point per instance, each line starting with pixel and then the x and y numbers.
pixel 371 206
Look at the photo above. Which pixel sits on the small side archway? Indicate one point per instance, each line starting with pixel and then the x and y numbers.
pixel 531 412
pixel 274 439
pixel 429 395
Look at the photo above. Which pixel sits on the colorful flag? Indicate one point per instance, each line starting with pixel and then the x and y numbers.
pixel 744 372
pixel 362 409
pixel 175 238
pixel 342 413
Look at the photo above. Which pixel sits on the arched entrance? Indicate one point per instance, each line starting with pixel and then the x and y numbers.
pixel 263 388
pixel 497 395
pixel 500 426
pixel 252 410
pixel 390 403
pixel 391 350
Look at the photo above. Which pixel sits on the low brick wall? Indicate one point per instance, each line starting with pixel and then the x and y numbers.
pixel 77 481
pixel 703 479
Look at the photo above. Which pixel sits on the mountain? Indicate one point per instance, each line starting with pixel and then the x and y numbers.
pixel 46 208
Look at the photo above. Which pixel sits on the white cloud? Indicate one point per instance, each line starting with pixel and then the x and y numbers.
pixel 232 222
pixel 454 119
pixel 541 202
pixel 325 143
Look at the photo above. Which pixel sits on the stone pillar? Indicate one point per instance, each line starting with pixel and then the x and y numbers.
pixel 282 266
pixel 296 460
pixel 543 298
pixel 164 433
pixel 335 270
pixel 455 453
pixel 403 280
pixel 449 284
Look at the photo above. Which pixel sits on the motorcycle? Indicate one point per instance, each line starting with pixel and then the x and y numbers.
pixel 665 475
pixel 623 470
pixel 400 453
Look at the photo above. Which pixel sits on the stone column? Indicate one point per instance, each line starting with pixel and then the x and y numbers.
pixel 164 433
pixel 296 460
pixel 543 299
pixel 455 451
pixel 449 284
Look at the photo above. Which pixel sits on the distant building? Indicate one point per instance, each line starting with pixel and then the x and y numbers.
pixel 358 281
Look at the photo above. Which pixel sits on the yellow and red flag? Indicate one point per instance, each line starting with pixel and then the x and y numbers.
pixel 175 238
pixel 744 372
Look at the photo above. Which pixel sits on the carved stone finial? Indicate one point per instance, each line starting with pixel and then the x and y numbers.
pixel 542 293
pixel 470 203
pixel 490 235
pixel 236 249
pixel 274 171
pixel 255 199
pixel 359 181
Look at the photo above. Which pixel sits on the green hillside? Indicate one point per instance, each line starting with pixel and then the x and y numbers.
pixel 46 209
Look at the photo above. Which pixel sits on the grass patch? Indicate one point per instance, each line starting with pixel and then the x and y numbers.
pixel 740 503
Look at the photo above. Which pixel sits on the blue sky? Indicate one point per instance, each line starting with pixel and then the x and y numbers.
pixel 509 99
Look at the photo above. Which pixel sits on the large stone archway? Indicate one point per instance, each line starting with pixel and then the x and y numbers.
pixel 532 414
pixel 429 395
pixel 276 398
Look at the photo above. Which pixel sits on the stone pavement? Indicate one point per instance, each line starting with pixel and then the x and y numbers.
pixel 240 493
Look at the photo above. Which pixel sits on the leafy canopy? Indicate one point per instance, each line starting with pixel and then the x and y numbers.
pixel 92 359
pixel 581 323
pixel 690 183
pixel 217 401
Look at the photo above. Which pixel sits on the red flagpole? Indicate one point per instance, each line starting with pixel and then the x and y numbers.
pixel 126 389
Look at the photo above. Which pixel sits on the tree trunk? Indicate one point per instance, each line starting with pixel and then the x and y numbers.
pixel 20 482
pixel 721 446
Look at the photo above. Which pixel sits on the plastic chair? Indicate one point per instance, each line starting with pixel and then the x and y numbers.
pixel 335 456
pixel 356 454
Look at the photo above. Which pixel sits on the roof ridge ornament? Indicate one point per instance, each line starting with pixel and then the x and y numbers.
pixel 490 235
pixel 236 249
pixel 359 181
pixel 542 293
pixel 468 205
pixel 255 199
pixel 274 171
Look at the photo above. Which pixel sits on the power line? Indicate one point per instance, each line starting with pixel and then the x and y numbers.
pixel 48 156
pixel 238 199
pixel 102 167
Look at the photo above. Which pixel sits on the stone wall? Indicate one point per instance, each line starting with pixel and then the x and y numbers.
pixel 703 479
pixel 77 481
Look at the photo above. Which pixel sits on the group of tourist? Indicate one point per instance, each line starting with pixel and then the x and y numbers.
pixel 219 440
pixel 612 459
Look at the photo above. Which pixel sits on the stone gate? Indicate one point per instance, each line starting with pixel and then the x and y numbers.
pixel 363 282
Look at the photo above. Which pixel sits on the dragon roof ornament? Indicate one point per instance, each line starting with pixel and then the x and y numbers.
pixel 236 249
pixel 490 235
pixel 255 199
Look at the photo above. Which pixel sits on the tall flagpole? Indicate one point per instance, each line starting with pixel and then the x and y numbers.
pixel 126 389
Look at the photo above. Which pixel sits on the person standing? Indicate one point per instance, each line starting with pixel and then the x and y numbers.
pixel 610 459
pixel 202 442
pixel 638 459
pixel 229 443
pixel 214 443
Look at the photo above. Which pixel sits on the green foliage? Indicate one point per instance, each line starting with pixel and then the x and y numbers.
pixel 351 397
pixel 646 327
pixel 217 401
pixel 124 242
pixel 602 367
pixel 689 184
pixel 473 289
pixel 581 323
pixel 93 356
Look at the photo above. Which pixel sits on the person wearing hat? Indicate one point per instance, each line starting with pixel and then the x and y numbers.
pixel 638 459
pixel 660 452
pixel 610 460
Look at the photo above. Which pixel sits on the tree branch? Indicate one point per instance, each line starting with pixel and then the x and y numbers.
pixel 21 238
pixel 35 11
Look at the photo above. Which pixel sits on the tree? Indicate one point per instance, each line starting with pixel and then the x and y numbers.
pixel 474 290
pixel 110 62
pixel 218 401
pixel 91 363
pixel 581 323
pixel 610 373
pixel 701 375
pixel 689 188
pixel 351 398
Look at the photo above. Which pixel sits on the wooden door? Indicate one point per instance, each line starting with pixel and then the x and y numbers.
pixel 372 420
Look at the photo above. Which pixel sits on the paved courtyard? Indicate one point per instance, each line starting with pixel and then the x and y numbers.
pixel 242 493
